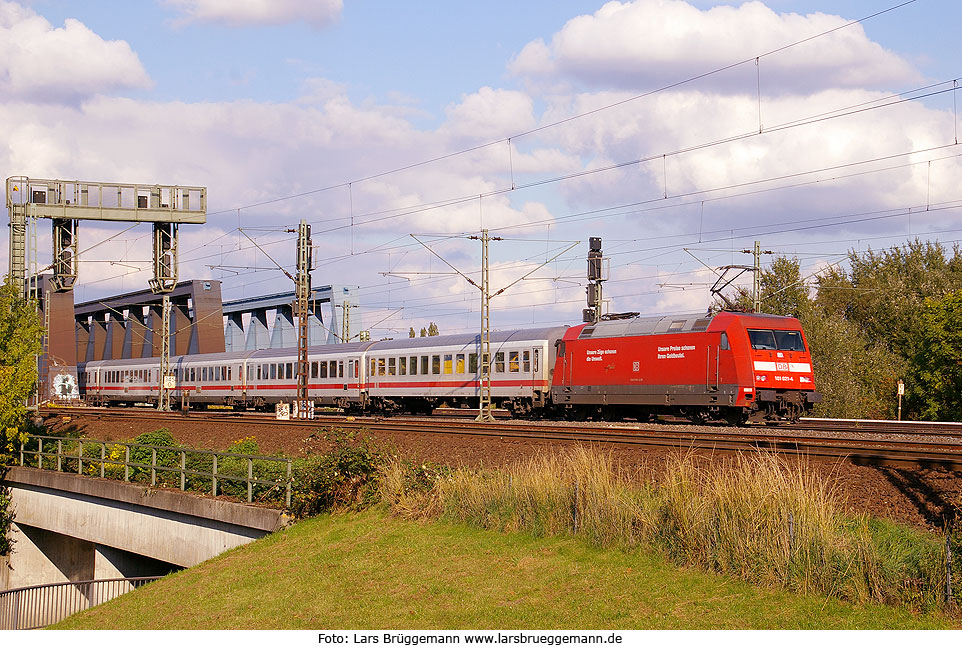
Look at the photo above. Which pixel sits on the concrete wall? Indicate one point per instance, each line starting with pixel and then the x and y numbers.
pixel 69 527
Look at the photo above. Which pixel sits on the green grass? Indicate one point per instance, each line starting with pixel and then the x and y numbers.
pixel 370 571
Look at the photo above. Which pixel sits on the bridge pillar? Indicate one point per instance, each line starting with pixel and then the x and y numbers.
pixel 234 332
pixel 135 338
pixel 257 335
pixel 284 334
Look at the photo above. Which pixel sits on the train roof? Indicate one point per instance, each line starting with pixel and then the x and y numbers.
pixel 648 325
pixel 497 336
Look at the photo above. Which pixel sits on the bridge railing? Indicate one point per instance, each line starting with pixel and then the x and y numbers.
pixel 201 470
pixel 37 606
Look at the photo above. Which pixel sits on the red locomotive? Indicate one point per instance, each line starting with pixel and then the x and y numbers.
pixel 731 366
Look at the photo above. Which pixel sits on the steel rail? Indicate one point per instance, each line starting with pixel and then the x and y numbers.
pixel 891 452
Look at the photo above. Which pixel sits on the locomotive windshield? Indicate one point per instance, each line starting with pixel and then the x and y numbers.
pixel 776 340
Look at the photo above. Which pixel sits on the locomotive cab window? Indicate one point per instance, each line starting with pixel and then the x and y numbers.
pixel 762 339
pixel 790 340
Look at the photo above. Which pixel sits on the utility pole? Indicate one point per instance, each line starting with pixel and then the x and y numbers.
pixel 346 322
pixel 756 275
pixel 485 403
pixel 303 296
pixel 484 389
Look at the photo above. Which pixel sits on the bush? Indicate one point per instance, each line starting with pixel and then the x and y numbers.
pixel 345 478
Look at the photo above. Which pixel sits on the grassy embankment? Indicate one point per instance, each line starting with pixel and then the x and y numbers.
pixel 581 545
pixel 370 571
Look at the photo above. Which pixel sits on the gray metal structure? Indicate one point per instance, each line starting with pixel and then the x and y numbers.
pixel 67 202
pixel 324 323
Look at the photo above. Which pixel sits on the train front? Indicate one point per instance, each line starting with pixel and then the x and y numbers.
pixel 782 367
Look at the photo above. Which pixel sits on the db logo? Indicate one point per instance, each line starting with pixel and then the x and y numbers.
pixel 636 366
pixel 781 366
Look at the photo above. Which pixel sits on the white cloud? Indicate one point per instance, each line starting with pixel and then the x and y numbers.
pixel 643 44
pixel 41 63
pixel 317 13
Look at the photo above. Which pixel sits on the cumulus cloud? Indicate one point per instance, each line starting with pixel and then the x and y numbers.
pixel 237 13
pixel 643 44
pixel 43 63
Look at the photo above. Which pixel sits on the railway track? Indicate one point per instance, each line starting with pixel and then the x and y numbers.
pixel 899 452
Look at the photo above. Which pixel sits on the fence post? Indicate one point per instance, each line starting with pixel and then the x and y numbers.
pixel 59 455
pixel 213 478
pixel 40 453
pixel 289 481
pixel 103 455
pixel 250 476
pixel 153 466
pixel 126 462
pixel 183 466
pixel 80 456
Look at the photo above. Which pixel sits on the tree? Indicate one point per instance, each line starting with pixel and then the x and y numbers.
pixel 20 330
pixel 935 389
pixel 433 329
pixel 424 332
pixel 411 333
pixel 782 289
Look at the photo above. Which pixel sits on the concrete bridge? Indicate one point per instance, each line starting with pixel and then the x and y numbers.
pixel 69 527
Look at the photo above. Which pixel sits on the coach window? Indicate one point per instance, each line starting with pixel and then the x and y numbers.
pixel 322 369
pixel 373 367
pixel 203 374
pixel 526 361
pixel 381 366
pixel 217 375
pixel 392 365
pixel 513 365
pixel 448 366
pixel 499 362
pixel 724 342
pixel 340 369
pixel 435 365
pixel 271 372
pixel 459 363
pixel 413 366
pixel 402 365
pixel 473 363
pixel 290 371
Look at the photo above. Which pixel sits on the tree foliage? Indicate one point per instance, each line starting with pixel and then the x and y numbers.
pixel 936 386
pixel 20 330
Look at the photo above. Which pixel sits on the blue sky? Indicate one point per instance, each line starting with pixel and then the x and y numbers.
pixel 264 105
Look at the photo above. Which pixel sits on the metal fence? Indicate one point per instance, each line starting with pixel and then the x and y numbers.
pixel 195 468
pixel 44 605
